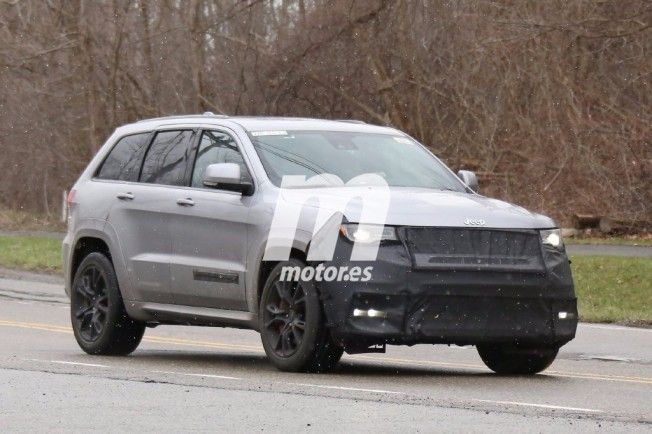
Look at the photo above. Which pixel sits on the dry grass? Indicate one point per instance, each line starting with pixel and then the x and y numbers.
pixel 11 220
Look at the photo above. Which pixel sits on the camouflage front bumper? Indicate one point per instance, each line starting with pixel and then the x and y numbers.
pixel 413 306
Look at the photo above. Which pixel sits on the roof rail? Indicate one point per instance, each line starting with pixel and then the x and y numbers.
pixel 203 115
pixel 351 121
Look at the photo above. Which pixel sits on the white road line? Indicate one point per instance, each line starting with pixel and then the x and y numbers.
pixel 187 374
pixel 92 365
pixel 223 377
pixel 527 404
pixel 65 362
pixel 615 328
pixel 352 389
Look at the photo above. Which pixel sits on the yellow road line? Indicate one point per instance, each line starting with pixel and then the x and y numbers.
pixel 153 339
pixel 179 341
pixel 220 345
pixel 36 326
pixel 421 362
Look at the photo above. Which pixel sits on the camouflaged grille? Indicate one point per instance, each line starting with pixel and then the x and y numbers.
pixel 475 249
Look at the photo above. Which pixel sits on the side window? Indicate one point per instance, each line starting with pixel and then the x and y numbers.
pixel 167 158
pixel 124 160
pixel 216 147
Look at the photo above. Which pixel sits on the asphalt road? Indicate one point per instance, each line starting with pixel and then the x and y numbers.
pixel 608 250
pixel 190 378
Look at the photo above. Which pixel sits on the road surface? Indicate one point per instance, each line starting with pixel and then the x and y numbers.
pixel 608 250
pixel 191 378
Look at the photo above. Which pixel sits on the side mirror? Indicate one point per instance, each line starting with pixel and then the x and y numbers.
pixel 469 179
pixel 226 176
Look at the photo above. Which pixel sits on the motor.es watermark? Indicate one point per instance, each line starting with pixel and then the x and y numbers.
pixel 369 190
pixel 324 273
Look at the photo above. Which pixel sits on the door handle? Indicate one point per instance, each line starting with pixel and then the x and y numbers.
pixel 125 196
pixel 185 202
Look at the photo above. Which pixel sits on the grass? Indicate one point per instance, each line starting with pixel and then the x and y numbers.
pixel 609 289
pixel 31 253
pixel 613 289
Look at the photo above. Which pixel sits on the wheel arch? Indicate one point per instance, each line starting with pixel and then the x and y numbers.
pixel 266 268
pixel 99 237
pixel 85 245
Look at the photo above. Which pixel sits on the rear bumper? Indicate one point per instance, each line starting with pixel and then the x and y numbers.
pixel 66 247
pixel 410 306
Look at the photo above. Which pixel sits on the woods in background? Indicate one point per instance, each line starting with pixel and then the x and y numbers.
pixel 549 101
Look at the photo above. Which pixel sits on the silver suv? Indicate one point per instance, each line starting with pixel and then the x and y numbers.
pixel 176 221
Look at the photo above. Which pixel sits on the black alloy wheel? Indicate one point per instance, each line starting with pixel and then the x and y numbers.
pixel 99 319
pixel 91 307
pixel 292 324
pixel 285 317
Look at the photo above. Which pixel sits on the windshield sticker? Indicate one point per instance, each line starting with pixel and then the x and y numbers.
pixel 269 133
pixel 403 140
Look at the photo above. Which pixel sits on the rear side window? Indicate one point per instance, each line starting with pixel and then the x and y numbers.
pixel 124 160
pixel 167 158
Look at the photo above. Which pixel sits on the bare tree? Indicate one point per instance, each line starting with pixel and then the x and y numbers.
pixel 549 101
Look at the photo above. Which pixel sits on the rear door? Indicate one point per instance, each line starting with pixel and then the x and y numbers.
pixel 209 232
pixel 140 216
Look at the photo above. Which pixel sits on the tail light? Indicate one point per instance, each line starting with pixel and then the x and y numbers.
pixel 70 198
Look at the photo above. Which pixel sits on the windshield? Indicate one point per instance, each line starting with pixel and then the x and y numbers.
pixel 398 159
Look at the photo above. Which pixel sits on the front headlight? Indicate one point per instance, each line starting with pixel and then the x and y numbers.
pixel 368 233
pixel 552 238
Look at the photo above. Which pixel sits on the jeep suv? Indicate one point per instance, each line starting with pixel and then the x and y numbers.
pixel 324 236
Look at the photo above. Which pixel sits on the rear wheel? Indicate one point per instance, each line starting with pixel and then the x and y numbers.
pixel 99 320
pixel 511 360
pixel 292 326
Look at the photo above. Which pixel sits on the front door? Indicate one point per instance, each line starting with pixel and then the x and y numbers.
pixel 209 233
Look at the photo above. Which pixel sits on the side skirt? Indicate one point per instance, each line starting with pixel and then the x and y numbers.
pixel 191 315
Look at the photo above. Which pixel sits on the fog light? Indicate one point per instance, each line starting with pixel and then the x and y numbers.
pixel 371 313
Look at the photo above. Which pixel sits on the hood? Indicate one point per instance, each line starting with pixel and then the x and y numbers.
pixel 405 206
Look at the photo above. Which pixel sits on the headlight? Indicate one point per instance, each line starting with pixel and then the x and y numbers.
pixel 552 238
pixel 368 233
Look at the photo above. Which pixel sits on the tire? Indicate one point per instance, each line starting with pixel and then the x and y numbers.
pixel 292 325
pixel 99 319
pixel 510 360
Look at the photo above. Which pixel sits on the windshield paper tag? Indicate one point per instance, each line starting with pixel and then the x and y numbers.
pixel 403 140
pixel 269 133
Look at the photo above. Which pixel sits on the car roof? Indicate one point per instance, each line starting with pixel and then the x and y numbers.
pixel 262 123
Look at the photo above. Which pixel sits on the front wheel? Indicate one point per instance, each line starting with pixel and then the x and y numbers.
pixel 99 320
pixel 292 326
pixel 511 360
